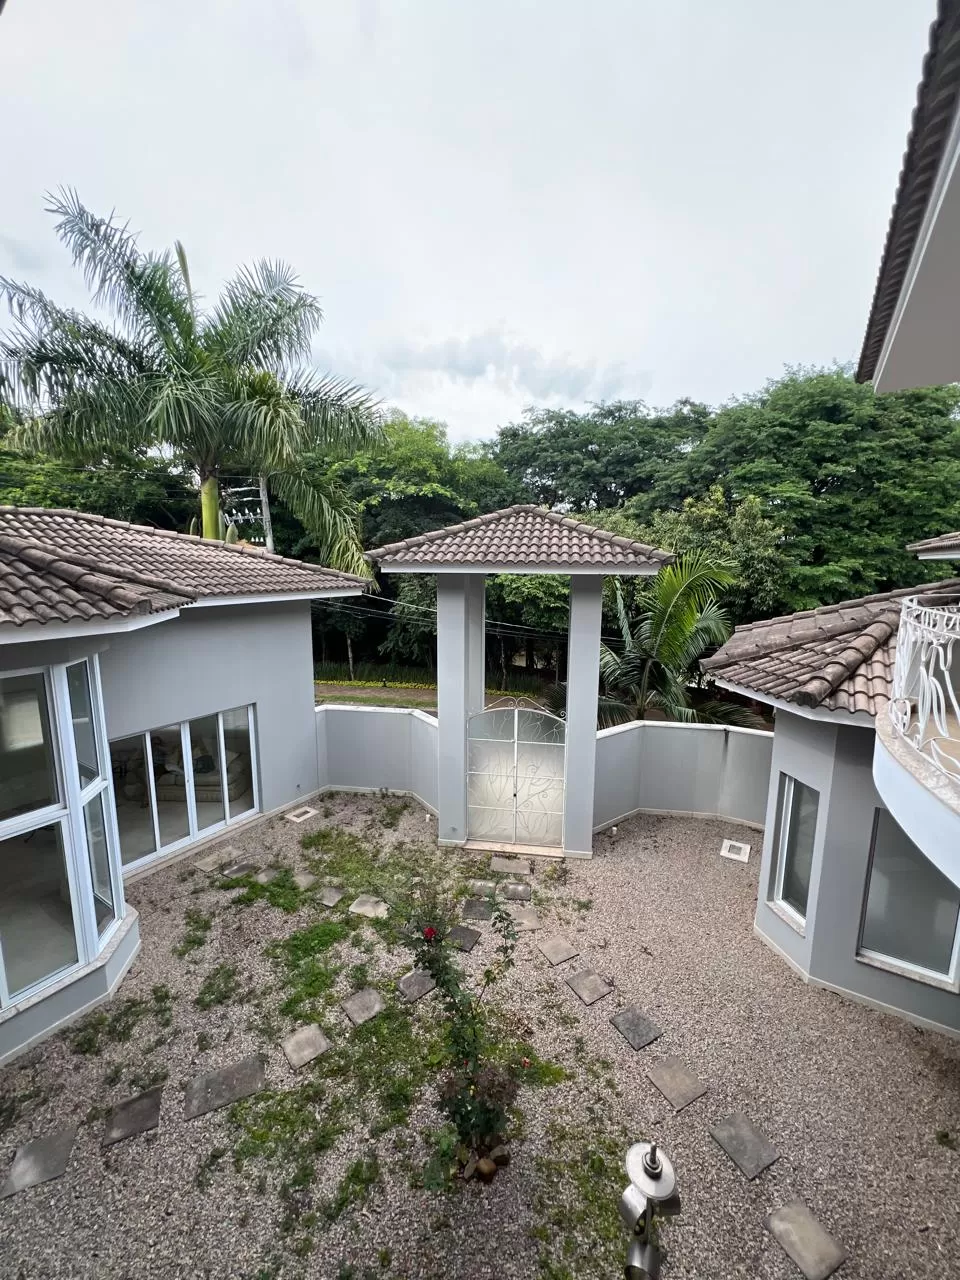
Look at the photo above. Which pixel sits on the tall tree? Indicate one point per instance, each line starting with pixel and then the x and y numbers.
pixel 220 390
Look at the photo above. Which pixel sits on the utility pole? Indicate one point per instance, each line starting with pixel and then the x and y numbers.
pixel 265 514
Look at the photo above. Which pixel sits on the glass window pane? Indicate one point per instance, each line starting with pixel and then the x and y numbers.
pixel 37 935
pixel 170 784
pixel 207 776
pixel 99 854
pixel 799 835
pixel 131 788
pixel 238 760
pixel 912 910
pixel 81 713
pixel 28 776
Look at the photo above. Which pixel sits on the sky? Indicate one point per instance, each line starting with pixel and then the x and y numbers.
pixel 500 203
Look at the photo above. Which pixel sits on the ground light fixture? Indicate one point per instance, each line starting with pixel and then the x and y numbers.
pixel 652 1193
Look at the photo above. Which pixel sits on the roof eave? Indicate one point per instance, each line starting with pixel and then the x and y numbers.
pixel 566 569
pixel 823 714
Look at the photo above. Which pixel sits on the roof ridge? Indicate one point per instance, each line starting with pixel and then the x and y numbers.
pixel 897 593
pixel 843 664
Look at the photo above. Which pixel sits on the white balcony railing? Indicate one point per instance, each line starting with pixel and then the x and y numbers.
pixel 924 709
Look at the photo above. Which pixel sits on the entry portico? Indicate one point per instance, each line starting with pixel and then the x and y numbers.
pixel 512 774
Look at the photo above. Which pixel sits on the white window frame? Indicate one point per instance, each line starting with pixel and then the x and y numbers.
pixel 948 981
pixel 67 813
pixel 791 914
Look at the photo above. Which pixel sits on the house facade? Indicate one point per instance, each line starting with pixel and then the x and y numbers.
pixel 155 690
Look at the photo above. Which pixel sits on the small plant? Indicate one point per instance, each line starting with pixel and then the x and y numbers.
pixel 218 987
pixel 204 1174
pixel 195 932
pixel 392 812
pixel 148 1078
pixel 204 1041
pixel 946 1139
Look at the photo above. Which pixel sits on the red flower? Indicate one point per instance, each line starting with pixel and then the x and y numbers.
pixel 430 933
pixel 524 1062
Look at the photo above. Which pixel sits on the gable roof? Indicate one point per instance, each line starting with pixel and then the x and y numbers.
pixel 521 538
pixel 73 566
pixel 836 658
pixel 937 96
pixel 938 548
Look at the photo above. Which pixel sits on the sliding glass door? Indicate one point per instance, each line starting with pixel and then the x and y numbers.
pixel 183 781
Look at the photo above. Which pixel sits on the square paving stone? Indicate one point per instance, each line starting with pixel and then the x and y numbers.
pixel 136 1115
pixel 676 1082
pixel 636 1028
pixel 517 892
pixel 331 895
pixel 369 906
pixel 415 984
pixel 482 888
pixel 40 1161
pixel 589 986
pixel 463 937
pixel 363 1005
pixel 303 1045
pixel 217 1089
pixel 305 880
pixel 214 861
pixel 511 866
pixel 267 877
pixel 239 869
pixel 804 1240
pixel 557 949
pixel 525 918
pixel 746 1146
pixel 477 909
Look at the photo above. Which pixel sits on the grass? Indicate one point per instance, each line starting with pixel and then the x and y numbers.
pixel 355 1186
pixel 394 675
pixel 281 892
pixel 196 930
pixel 117 1026
pixel 307 971
pixel 220 986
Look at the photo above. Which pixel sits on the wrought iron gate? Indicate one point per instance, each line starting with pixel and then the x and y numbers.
pixel 515 761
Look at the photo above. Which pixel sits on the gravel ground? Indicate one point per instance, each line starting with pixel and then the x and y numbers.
pixel 852 1099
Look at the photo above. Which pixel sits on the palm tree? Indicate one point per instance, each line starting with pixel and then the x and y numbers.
pixel 675 620
pixel 221 390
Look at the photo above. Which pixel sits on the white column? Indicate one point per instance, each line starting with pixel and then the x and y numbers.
pixel 583 683
pixel 453 597
pixel 476 646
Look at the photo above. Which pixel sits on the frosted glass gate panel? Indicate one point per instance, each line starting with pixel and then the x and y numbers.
pixel 515 761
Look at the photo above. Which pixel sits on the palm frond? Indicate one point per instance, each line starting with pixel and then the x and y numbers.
pixel 264 317
pixel 326 512
pixel 341 416
pixel 714 711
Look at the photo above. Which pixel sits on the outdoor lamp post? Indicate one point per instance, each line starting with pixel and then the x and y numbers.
pixel 652 1191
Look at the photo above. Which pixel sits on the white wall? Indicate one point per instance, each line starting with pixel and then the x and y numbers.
pixel 655 766
pixel 211 659
pixel 369 748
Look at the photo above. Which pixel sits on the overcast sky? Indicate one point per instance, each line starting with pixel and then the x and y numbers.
pixel 500 202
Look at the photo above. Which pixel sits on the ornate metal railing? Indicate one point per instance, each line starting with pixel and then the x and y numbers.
pixel 924 709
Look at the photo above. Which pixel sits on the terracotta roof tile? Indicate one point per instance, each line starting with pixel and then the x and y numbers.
pixel 838 658
pixel 946 542
pixel 523 537
pixel 71 566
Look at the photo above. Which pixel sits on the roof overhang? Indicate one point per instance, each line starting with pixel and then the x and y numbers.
pixel 807 713
pixel 278 597
pixel 556 570
pixel 39 631
pixel 939 555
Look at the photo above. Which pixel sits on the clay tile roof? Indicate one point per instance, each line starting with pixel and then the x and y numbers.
pixel 937 546
pixel 72 566
pixel 522 537
pixel 838 658
pixel 930 126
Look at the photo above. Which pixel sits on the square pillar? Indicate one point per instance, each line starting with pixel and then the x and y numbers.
pixel 583 686
pixel 454 596
pixel 476 641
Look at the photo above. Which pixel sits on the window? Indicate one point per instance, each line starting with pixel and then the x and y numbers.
pixel 795 834
pixel 911 910
pixel 81 713
pixel 38 935
pixel 28 774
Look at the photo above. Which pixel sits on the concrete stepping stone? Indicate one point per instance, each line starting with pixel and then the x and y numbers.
pixel 39 1161
pixel 517 892
pixel 214 861
pixel 331 895
pixel 304 1045
pixel 215 1089
pixel 525 918
pixel 363 1005
pixel 306 880
pixel 636 1028
pixel 805 1241
pixel 133 1117
pixel 676 1082
pixel 369 906
pixel 482 888
pixel 511 866
pixel 416 984
pixel 267 877
pixel 589 986
pixel 463 937
pixel 557 949
pixel 746 1146
pixel 477 909
pixel 238 870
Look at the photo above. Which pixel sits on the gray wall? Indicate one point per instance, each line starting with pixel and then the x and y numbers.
pixel 836 759
pixel 366 748
pixel 655 766
pixel 210 659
